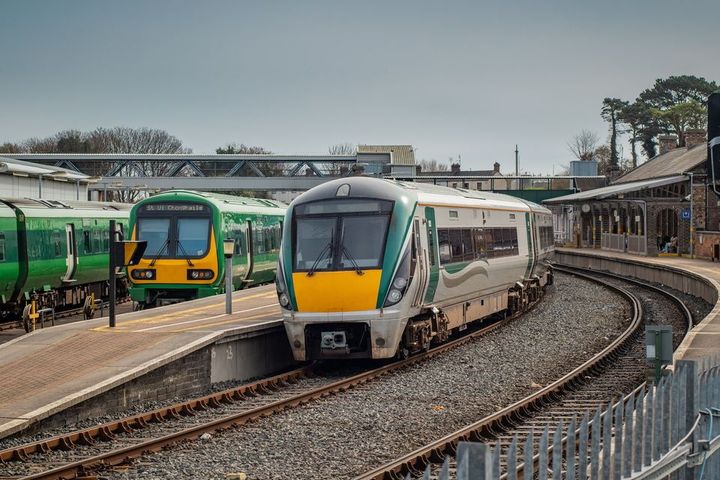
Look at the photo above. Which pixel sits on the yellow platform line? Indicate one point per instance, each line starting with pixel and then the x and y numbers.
pixel 225 322
pixel 186 322
pixel 183 313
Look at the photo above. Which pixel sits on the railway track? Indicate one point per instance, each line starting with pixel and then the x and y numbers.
pixel 614 372
pixel 81 452
pixel 71 312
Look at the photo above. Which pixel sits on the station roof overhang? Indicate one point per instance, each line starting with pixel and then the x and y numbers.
pixel 20 168
pixel 615 190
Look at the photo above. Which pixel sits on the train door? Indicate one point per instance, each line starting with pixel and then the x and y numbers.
pixel 250 251
pixel 421 263
pixel 433 260
pixel 71 260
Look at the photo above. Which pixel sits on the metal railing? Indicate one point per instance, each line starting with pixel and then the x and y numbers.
pixel 669 430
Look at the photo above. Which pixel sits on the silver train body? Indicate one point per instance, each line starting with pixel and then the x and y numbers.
pixel 375 268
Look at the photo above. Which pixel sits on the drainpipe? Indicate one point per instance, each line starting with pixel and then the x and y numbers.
pixel 692 219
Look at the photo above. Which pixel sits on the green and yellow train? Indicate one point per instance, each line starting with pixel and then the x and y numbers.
pixel 54 252
pixel 185 230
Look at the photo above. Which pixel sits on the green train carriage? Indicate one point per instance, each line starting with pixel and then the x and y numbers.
pixel 185 230
pixel 54 252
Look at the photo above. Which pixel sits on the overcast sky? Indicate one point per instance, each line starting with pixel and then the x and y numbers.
pixel 451 78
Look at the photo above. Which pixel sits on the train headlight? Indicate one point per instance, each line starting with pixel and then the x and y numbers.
pixel 281 288
pixel 284 300
pixel 400 282
pixel 394 296
pixel 200 274
pixel 142 274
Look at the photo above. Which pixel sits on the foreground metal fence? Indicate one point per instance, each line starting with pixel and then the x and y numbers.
pixel 670 430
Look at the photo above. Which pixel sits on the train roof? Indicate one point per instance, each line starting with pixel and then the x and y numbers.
pixel 33 207
pixel 223 202
pixel 422 193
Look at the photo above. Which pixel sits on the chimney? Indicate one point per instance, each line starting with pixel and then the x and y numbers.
pixel 667 143
pixel 694 136
pixel 455 169
pixel 496 168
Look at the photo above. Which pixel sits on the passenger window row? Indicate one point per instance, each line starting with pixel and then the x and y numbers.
pixel 547 238
pixel 468 244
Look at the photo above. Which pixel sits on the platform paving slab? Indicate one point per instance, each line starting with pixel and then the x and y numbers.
pixel 55 368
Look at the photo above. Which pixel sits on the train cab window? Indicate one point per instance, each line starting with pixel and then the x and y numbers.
pixel 155 231
pixel 2 247
pixel 363 241
pixel 193 236
pixel 314 238
pixel 86 241
pixel 341 234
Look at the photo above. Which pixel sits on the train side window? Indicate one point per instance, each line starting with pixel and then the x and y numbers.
pixel 468 253
pixel 2 247
pixel 479 243
pixel 444 245
pixel 56 243
pixel 106 240
pixel 97 240
pixel 86 241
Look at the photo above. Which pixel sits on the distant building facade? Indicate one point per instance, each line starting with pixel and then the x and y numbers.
pixel 664 206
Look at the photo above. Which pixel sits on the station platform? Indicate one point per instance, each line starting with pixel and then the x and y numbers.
pixel 54 368
pixel 696 277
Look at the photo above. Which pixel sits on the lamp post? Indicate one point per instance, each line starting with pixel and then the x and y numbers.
pixel 228 248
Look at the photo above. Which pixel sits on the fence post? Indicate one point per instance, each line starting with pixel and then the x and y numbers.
pixel 690 402
pixel 474 461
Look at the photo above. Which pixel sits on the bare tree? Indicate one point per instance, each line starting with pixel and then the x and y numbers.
pixel 8 147
pixel 433 166
pixel 583 145
pixel 342 149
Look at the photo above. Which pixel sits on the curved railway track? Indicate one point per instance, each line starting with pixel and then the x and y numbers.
pixel 615 371
pixel 80 452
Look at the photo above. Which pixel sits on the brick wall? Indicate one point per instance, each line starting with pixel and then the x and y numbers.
pixel 185 376
pixel 705 243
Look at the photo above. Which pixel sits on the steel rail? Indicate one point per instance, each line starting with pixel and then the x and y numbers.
pixel 108 431
pixel 436 452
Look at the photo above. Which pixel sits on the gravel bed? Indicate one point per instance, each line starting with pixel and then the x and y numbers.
pixel 21 438
pixel 345 435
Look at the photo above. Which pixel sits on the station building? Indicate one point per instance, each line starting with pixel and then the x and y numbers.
pixel 20 179
pixel 666 206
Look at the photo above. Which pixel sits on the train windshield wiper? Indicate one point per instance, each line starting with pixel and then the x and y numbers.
pixel 358 270
pixel 185 253
pixel 326 250
pixel 160 252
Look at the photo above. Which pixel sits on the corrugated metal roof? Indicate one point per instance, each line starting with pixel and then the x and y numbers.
pixel 617 189
pixel 13 166
pixel 399 154
pixel 674 162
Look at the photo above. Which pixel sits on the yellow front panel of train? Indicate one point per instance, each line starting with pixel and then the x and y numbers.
pixel 344 291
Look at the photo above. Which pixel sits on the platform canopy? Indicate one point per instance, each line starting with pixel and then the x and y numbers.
pixel 615 190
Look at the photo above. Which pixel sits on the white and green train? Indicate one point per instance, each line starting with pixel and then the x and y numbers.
pixel 376 268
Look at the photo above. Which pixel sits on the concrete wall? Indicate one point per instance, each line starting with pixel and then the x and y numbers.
pixel 681 280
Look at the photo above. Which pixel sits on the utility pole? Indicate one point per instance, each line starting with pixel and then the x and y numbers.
pixel 517 172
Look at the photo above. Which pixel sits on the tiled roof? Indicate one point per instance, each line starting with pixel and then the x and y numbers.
pixel 674 162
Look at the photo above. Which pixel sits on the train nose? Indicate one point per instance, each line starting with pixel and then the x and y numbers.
pixel 339 291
